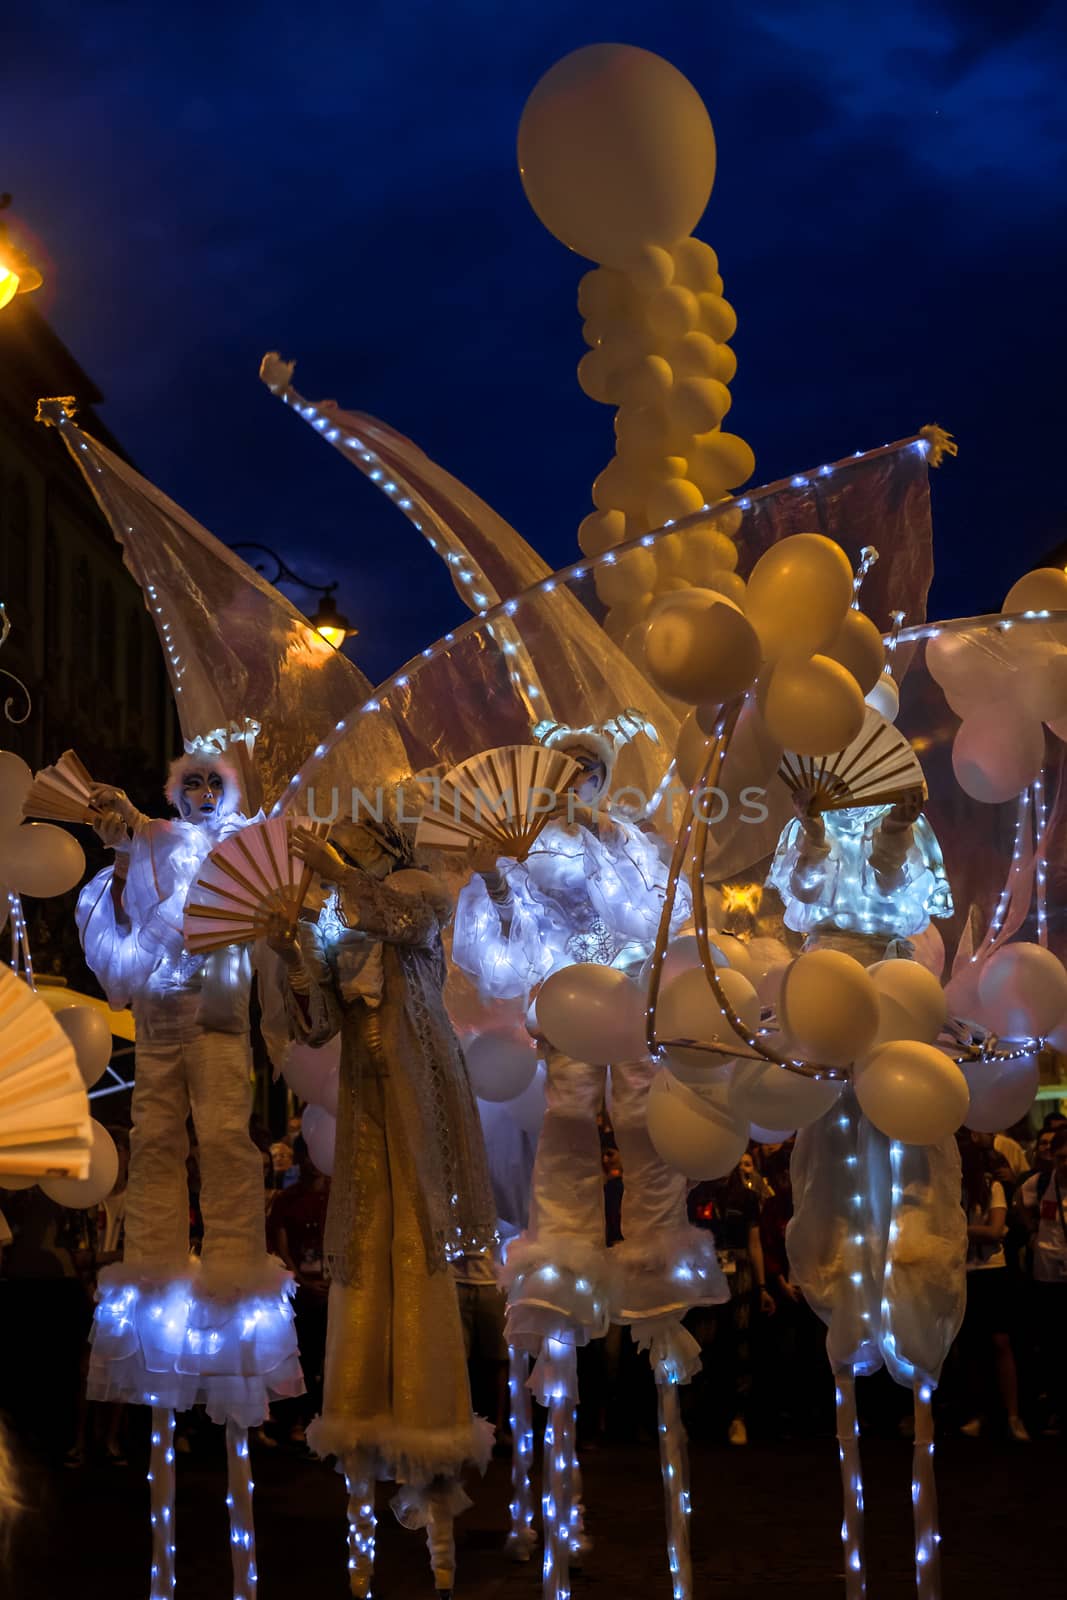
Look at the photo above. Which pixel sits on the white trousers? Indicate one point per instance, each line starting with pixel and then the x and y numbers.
pixel 208 1074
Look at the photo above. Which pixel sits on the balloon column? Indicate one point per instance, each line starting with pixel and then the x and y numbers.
pixel 617 157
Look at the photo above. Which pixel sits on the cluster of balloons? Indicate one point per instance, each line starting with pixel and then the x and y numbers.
pixel 36 858
pixel 1007 690
pixel 617 157
pixel 794 630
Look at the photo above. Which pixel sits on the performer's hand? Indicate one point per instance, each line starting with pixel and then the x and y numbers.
pixel 482 856
pixel 906 811
pixel 105 797
pixel 320 856
pixel 281 938
pixel 810 818
pixel 111 830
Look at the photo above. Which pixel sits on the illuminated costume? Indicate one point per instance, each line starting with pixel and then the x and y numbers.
pixel 878 1239
pixel 171 1331
pixel 410 1190
pixel 589 890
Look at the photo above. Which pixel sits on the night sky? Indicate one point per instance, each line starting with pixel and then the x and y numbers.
pixel 339 183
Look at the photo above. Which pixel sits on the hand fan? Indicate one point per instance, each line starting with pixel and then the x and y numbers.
pixel 878 768
pixel 45 1127
pixel 501 797
pixel 245 881
pixel 61 793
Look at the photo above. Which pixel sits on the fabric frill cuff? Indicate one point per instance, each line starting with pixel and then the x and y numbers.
pixel 401 1454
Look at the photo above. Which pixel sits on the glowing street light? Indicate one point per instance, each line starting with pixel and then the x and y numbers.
pixel 18 275
pixel 328 621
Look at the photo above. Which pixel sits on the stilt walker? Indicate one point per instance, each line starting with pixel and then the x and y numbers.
pixel 411 1187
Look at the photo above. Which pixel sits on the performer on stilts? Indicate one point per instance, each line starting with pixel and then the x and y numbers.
pixel 591 889
pixel 172 1331
pixel 878 1238
pixel 410 1190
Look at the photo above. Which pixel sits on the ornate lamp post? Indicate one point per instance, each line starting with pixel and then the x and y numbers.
pixel 327 619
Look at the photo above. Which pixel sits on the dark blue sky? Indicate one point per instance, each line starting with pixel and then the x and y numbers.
pixel 339 183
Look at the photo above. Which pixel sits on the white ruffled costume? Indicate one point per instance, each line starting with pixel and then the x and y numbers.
pixel 172 1331
pixel 589 894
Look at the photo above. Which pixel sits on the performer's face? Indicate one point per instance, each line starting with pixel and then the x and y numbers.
pixel 594 775
pixel 364 849
pixel 200 795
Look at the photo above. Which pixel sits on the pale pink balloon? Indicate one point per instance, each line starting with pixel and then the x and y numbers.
pixel 1022 991
pixel 1001 1092
pixel 995 756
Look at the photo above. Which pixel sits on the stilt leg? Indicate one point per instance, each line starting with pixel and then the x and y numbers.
pixel 557 1495
pixel 440 1537
pixel 924 1499
pixel 161 1485
pixel 580 1542
pixel 674 1461
pixel 361 1526
pixel 848 1447
pixel 239 1501
pixel 521 1535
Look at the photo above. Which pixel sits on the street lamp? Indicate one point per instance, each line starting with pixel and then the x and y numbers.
pixel 18 275
pixel 327 620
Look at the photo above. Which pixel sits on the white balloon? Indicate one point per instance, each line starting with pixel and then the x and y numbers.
pixel 88 1031
pixel 80 1194
pixel 912 1092
pixel 15 779
pixel 320 1136
pixel 885 697
pixel 593 1013
pixel 688 1009
pixel 693 1133
pixel 916 992
pixel 772 1095
pixel 733 952
pixel 761 1135
pixel 40 860
pixel 528 1108
pixel 501 1065
pixel 1022 991
pixel 308 1070
pixel 1001 1090
pixel 828 1008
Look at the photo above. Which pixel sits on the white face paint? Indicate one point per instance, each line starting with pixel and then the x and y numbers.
pixel 590 786
pixel 200 795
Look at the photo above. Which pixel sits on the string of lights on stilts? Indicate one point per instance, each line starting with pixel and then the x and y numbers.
pixel 674 1464
pixel 924 1499
pixel 361 1528
pixel 161 1485
pixel 521 1534
pixel 556 1474
pixel 239 1502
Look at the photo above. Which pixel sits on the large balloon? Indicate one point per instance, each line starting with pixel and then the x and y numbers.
pixel 767 962
pixel 320 1136
pixel 772 1096
pixel 309 1071
pixel 82 1193
pixel 592 1013
pixel 702 654
pixel 1002 1091
pixel 828 1008
pixel 694 1134
pixel 798 594
pixel 916 993
pixel 528 1108
pixel 40 860
pixel 1044 589
pixel 813 706
pixel 1022 992
pixel 995 756
pixel 88 1031
pixel 15 779
pixel 912 1092
pixel 501 1065
pixel 616 152
pixel 858 646
pixel 688 1009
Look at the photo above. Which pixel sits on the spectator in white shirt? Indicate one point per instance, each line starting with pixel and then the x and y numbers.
pixel 986 1331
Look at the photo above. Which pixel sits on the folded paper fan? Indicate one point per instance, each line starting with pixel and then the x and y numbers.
pixel 45 1127
pixel 878 768
pixel 61 793
pixel 501 797
pixel 246 880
